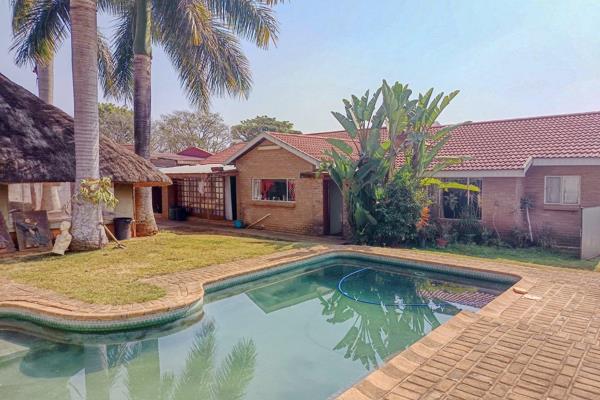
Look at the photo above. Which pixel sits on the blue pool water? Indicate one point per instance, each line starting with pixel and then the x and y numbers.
pixel 298 334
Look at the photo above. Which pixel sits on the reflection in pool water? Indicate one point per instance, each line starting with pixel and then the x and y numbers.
pixel 292 335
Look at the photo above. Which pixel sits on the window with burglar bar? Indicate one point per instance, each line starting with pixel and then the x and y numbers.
pixel 274 189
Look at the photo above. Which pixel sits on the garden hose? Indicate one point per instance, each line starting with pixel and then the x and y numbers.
pixel 348 295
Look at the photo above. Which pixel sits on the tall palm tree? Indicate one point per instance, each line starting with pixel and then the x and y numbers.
pixel 87 217
pixel 39 28
pixel 200 38
pixel 198 35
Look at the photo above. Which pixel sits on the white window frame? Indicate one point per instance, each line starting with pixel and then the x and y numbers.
pixel 287 186
pixel 562 193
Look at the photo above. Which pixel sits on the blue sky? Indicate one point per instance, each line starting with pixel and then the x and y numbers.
pixel 508 58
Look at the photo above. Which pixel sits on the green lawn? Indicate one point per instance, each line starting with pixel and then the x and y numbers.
pixel 531 255
pixel 111 276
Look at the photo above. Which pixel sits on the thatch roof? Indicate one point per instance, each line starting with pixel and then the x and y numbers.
pixel 37 145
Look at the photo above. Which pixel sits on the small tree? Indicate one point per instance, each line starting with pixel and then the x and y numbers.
pixel 248 129
pixel 181 129
pixel 116 122
pixel 527 204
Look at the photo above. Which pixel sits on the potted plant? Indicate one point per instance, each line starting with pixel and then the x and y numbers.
pixel 445 235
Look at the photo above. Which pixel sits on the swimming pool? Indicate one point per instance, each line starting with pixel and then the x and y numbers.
pixel 306 331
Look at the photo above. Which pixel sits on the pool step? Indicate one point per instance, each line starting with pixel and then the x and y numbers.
pixel 10 350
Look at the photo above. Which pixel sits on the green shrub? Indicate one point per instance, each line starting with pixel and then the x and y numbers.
pixel 545 238
pixel 519 237
pixel 397 214
pixel 429 233
pixel 468 228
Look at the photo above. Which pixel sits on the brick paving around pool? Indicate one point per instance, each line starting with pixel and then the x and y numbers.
pixel 544 344
pixel 541 345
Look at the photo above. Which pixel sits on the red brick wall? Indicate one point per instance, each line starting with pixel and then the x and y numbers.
pixel 305 215
pixel 500 203
pixel 565 221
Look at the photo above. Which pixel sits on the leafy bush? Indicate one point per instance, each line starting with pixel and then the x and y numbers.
pixel 447 231
pixel 545 238
pixel 429 233
pixel 469 228
pixel 519 237
pixel 397 214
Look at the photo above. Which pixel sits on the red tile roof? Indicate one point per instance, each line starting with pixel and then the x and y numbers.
pixel 177 157
pixel 221 156
pixel 508 144
pixel 496 145
pixel 311 145
pixel 193 151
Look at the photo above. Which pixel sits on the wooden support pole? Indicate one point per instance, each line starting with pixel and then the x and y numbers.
pixel 258 220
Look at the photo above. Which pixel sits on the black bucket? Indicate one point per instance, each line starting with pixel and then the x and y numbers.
pixel 173 213
pixel 122 228
pixel 181 214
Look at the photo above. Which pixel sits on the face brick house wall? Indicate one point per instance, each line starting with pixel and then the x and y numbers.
pixel 563 220
pixel 304 216
pixel 501 200
pixel 500 204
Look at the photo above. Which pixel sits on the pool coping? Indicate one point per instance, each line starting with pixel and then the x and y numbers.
pixel 186 290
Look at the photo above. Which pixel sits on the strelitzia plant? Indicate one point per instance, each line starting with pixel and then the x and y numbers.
pixel 367 162
pixel 359 166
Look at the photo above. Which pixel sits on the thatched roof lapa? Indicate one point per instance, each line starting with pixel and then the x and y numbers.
pixel 37 145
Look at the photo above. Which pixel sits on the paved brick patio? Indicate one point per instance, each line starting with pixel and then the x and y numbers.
pixel 541 345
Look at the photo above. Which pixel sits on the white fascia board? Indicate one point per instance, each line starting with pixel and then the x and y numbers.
pixel 559 162
pixel 282 144
pixel 508 173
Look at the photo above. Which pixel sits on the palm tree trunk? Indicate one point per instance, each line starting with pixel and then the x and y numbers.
pixel 142 96
pixel 86 217
pixel 45 80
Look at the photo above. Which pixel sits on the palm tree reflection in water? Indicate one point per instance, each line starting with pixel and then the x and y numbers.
pixel 132 370
pixel 202 380
pixel 378 331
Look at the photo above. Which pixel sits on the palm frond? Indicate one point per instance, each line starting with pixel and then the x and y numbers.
pixel 236 372
pixel 197 16
pixel 115 6
pixel 39 28
pixel 211 64
pixel 194 382
pixel 105 66
pixel 20 9
pixel 122 56
pixel 250 19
